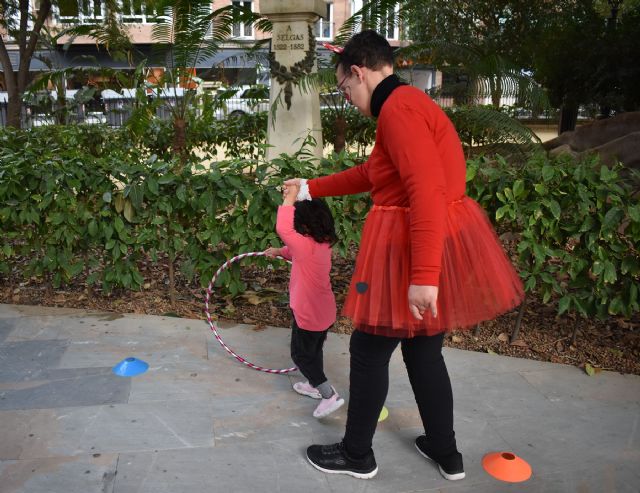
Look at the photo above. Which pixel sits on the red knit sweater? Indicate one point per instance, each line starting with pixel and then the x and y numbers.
pixel 417 162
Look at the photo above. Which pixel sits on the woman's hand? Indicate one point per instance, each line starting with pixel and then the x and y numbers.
pixel 292 182
pixel 421 299
pixel 273 252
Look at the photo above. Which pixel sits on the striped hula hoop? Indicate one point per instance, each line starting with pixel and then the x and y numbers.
pixel 214 328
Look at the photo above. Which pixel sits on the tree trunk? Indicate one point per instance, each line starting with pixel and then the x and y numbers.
pixel 568 117
pixel 14 109
pixel 341 129
pixel 26 41
pixel 574 335
pixel 496 91
pixel 172 282
pixel 14 106
pixel 87 273
pixel 179 140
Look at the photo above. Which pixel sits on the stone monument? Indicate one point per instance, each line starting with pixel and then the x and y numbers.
pixel 293 56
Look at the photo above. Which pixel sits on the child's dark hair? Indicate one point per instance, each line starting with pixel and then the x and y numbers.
pixel 313 218
pixel 366 49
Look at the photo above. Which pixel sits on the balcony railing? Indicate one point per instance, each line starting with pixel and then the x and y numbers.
pixel 90 11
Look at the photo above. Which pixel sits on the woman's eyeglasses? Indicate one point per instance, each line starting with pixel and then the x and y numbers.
pixel 342 90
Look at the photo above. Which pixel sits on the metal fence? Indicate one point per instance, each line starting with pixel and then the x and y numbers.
pixel 32 116
pixel 114 109
pixel 42 111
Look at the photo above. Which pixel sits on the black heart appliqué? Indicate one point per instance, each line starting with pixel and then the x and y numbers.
pixel 361 287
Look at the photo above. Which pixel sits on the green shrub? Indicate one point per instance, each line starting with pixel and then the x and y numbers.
pixel 85 201
pixel 360 131
pixel 89 203
pixel 578 224
pixel 55 188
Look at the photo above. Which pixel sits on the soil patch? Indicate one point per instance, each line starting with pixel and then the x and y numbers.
pixel 613 344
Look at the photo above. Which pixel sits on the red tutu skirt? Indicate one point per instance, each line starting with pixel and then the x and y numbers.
pixel 477 280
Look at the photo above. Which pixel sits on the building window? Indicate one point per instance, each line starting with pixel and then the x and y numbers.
pixel 356 5
pixel 389 23
pixel 89 11
pixel 243 30
pixel 133 11
pixel 324 26
pixel 138 12
pixel 10 13
pixel 82 10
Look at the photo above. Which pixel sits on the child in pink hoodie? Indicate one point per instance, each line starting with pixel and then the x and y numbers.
pixel 306 228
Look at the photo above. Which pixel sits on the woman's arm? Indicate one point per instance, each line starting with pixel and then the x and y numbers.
pixel 351 181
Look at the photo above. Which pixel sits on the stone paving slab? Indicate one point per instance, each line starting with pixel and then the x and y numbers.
pixel 30 360
pixel 199 421
pixel 87 474
pixel 115 428
pixel 564 383
pixel 82 387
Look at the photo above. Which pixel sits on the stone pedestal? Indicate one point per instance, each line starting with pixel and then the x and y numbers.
pixel 293 51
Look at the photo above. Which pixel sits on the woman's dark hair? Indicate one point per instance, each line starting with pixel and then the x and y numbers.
pixel 366 49
pixel 313 218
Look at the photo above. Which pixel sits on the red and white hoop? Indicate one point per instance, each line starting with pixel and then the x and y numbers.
pixel 212 324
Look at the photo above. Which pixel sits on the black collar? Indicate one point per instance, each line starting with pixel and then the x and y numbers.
pixel 382 92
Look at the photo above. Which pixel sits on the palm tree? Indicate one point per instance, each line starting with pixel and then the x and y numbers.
pixel 187 33
pixel 324 81
pixel 488 71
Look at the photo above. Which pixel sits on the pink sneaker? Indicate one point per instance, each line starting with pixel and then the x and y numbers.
pixel 305 388
pixel 327 406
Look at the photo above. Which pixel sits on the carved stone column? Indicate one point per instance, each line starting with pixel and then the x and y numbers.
pixel 293 55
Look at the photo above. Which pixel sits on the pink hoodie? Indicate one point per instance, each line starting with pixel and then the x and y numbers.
pixel 310 294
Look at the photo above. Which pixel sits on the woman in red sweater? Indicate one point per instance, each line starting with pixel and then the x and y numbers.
pixel 429 260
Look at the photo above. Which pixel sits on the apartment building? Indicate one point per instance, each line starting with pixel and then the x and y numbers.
pixel 228 66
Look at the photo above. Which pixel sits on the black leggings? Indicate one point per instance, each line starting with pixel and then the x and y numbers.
pixel 306 353
pixel 369 384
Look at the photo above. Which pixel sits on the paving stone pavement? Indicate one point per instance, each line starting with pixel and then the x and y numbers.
pixel 199 421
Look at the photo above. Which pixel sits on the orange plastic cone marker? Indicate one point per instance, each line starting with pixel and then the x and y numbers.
pixel 506 466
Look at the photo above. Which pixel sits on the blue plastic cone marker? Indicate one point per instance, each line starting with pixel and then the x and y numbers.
pixel 130 367
pixel 383 414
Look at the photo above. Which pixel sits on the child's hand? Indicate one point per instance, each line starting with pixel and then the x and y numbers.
pixel 292 182
pixel 289 194
pixel 272 252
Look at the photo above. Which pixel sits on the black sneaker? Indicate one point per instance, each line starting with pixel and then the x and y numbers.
pixel 334 460
pixel 450 465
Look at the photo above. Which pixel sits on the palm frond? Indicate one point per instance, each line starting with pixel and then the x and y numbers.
pixel 188 32
pixel 277 102
pixel 323 79
pixel 489 74
pixel 110 33
pixel 371 16
pixel 492 130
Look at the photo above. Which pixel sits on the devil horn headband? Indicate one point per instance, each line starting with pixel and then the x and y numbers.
pixel 334 48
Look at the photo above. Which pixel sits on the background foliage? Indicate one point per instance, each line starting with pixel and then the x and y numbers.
pixel 87 202
pixel 577 225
